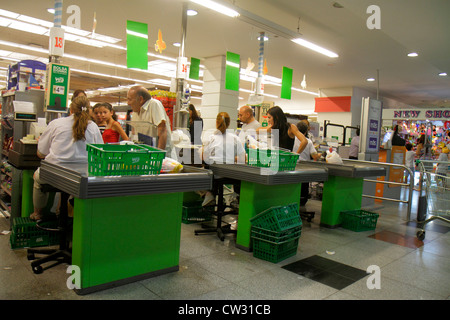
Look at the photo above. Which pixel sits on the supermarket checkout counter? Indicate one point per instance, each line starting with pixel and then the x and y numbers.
pixel 344 188
pixel 262 188
pixel 125 228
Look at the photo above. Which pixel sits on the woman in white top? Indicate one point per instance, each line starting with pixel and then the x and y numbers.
pixel 223 147
pixel 64 141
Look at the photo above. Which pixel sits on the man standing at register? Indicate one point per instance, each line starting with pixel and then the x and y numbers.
pixel 250 124
pixel 151 110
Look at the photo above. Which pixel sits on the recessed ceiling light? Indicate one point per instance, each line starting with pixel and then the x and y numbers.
pixel 51 10
pixel 191 12
pixel 413 54
pixel 370 79
pixel 443 74
pixel 176 44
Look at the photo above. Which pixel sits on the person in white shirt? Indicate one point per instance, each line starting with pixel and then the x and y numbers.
pixel 354 146
pixel 250 124
pixel 64 141
pixel 409 159
pixel 150 110
pixel 309 153
pixel 224 147
pixel 306 155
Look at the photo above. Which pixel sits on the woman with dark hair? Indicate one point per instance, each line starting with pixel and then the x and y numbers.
pixel 64 140
pixel 195 125
pixel 286 131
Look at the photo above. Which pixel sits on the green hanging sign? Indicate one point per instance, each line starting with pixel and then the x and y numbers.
pixel 232 69
pixel 137 45
pixel 286 83
pixel 194 69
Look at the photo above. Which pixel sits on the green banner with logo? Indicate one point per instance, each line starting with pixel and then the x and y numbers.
pixel 57 90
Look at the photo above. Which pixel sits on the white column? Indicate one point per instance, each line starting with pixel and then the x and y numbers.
pixel 215 97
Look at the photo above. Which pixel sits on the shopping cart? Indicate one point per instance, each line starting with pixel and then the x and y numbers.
pixel 437 194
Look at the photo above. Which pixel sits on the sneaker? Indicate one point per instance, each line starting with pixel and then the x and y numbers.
pixel 210 199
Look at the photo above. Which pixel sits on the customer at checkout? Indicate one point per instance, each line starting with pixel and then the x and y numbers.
pixel 64 141
pixel 152 111
pixel 286 131
pixel 354 146
pixel 223 147
pixel 250 124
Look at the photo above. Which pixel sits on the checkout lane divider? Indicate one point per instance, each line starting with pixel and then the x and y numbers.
pixel 410 185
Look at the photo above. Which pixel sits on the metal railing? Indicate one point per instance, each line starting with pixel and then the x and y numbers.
pixel 410 184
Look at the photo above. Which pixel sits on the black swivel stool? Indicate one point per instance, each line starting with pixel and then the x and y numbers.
pixel 62 254
pixel 304 196
pixel 221 230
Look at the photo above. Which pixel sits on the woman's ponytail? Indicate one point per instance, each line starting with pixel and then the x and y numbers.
pixel 80 110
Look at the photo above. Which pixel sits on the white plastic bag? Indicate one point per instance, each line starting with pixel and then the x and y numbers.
pixel 333 157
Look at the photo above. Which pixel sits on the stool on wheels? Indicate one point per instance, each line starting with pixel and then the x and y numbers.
pixel 62 254
pixel 219 228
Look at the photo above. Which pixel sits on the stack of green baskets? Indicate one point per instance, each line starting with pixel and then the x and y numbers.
pixel 25 234
pixel 124 160
pixel 277 160
pixel 275 233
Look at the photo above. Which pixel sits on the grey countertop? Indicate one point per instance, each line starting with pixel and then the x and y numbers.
pixel 243 172
pixel 73 178
pixel 353 170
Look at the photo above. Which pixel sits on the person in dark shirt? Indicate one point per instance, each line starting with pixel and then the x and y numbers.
pixel 396 139
pixel 286 131
pixel 195 125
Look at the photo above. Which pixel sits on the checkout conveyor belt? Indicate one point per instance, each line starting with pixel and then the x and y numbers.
pixel 73 178
pixel 354 170
pixel 265 176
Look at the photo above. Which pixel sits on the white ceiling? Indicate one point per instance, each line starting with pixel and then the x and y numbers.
pixel 406 25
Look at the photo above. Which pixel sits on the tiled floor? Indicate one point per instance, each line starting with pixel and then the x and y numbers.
pixel 330 264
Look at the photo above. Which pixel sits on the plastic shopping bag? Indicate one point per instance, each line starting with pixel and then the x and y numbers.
pixel 333 157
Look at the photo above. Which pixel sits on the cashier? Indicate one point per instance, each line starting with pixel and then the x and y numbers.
pixel 64 141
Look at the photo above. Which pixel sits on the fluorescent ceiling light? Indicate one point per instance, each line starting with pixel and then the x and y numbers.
pixel 38 22
pixel 51 10
pixel 305 91
pixel 315 47
pixel 22 26
pixel 413 54
pixel 370 79
pixel 265 38
pixel 217 7
pixel 9 14
pixel 443 74
pixel 4 22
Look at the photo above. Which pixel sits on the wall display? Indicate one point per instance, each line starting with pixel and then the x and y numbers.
pixel 57 89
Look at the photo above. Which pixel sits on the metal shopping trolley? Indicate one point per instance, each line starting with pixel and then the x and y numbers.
pixel 437 193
